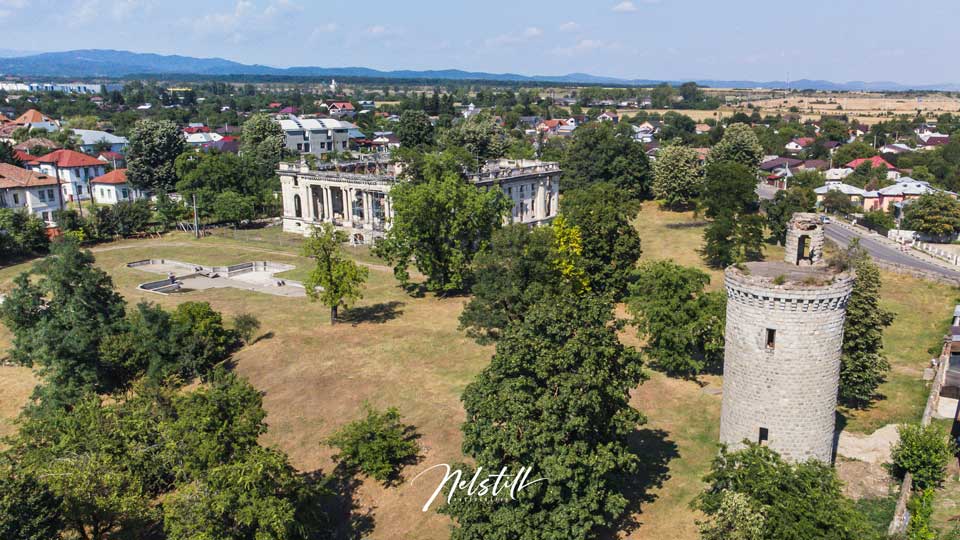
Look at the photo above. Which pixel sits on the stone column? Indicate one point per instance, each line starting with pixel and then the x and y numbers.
pixel 327 203
pixel 346 203
pixel 387 216
pixel 367 207
pixel 539 209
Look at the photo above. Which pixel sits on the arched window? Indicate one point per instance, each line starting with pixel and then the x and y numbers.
pixel 297 209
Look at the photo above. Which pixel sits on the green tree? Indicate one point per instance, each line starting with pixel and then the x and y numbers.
pixel 677 176
pixel 508 277
pixel 604 152
pixel 202 340
pixel 8 154
pixel 58 321
pixel 336 280
pixel 28 509
pixel 924 452
pixel 378 444
pixel 936 214
pixel 735 519
pixel 555 395
pixel 246 324
pixel 798 501
pixel 610 244
pixel 675 316
pixel 262 142
pixel 864 366
pixel 837 202
pixel 21 234
pixel 232 207
pixel 212 426
pixel 736 232
pixel 415 130
pixel 781 208
pixel 479 135
pixel 739 145
pixel 855 150
pixel 154 146
pixel 259 496
pixel 440 222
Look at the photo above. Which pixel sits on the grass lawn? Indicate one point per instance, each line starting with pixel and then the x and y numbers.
pixel 407 352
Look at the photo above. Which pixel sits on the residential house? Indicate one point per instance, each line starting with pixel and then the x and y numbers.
pixel 933 141
pixel 37 143
pixel 228 143
pixel 863 200
pixel 93 141
pixel 896 148
pixel 34 119
pixel 33 192
pixel 837 174
pixel 646 131
pixel 797 145
pixel 201 138
pixel 116 160
pixel 550 127
pixel 876 162
pixel 74 169
pixel 113 187
pixel 386 139
pixel 700 129
pixel 340 109
pixel 317 136
pixel 608 117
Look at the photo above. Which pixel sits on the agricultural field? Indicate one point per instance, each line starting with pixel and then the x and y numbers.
pixel 398 350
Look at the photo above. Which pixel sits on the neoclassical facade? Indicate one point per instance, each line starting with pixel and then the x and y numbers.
pixel 356 196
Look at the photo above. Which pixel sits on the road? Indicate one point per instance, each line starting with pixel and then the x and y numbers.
pixel 884 252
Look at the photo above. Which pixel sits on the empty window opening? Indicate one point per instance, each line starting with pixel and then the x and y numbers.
pixel 803 249
pixel 771 338
pixel 764 436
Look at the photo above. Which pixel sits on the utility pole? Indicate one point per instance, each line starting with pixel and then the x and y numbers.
pixel 196 222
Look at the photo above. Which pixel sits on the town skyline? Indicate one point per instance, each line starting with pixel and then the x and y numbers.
pixel 638 39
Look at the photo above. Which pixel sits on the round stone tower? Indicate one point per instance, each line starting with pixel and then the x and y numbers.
pixel 784 333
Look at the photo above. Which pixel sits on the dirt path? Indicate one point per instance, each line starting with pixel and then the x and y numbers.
pixel 873 448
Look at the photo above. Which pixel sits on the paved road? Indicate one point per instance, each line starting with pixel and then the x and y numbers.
pixel 882 251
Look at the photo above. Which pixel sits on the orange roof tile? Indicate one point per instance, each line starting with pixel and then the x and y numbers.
pixel 15 177
pixel 31 117
pixel 68 158
pixel 118 176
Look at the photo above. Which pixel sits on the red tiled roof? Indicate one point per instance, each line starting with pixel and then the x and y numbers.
pixel 32 116
pixel 876 161
pixel 342 105
pixel 33 142
pixel 69 158
pixel 118 176
pixel 110 155
pixel 803 141
pixel 23 156
pixel 196 129
pixel 15 177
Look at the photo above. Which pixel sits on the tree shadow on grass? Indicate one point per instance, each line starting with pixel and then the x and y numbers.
pixel 655 451
pixel 348 518
pixel 263 337
pixel 376 314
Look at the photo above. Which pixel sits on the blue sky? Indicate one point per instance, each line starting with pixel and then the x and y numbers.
pixel 840 40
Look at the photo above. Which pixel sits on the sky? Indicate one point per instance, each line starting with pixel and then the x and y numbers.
pixel 839 40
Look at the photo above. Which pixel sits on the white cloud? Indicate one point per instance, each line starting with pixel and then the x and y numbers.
pixel 569 27
pixel 9 7
pixel 505 40
pixel 377 29
pixel 582 46
pixel 532 32
pixel 625 7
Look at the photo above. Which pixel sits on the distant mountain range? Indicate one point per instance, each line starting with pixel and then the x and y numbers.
pixel 118 64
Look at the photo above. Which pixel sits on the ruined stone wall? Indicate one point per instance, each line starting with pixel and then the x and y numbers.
pixel 808 225
pixel 790 389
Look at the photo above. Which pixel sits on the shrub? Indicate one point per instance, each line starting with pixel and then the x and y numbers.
pixel 924 452
pixel 378 445
pixel 245 324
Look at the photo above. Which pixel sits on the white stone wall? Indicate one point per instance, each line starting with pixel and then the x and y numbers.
pixel 791 389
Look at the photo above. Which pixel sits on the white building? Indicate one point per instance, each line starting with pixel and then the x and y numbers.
pixel 91 138
pixel 202 138
pixel 357 200
pixel 113 187
pixel 75 171
pixel 317 136
pixel 33 192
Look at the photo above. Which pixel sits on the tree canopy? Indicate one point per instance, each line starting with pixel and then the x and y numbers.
pixel 154 146
pixel 739 145
pixel 677 176
pixel 336 280
pixel 736 232
pixel 604 152
pixel 936 214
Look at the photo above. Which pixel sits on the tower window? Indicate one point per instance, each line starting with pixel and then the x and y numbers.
pixel 764 436
pixel 771 338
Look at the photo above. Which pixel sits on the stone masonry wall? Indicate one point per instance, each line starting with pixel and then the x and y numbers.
pixel 791 389
pixel 804 224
